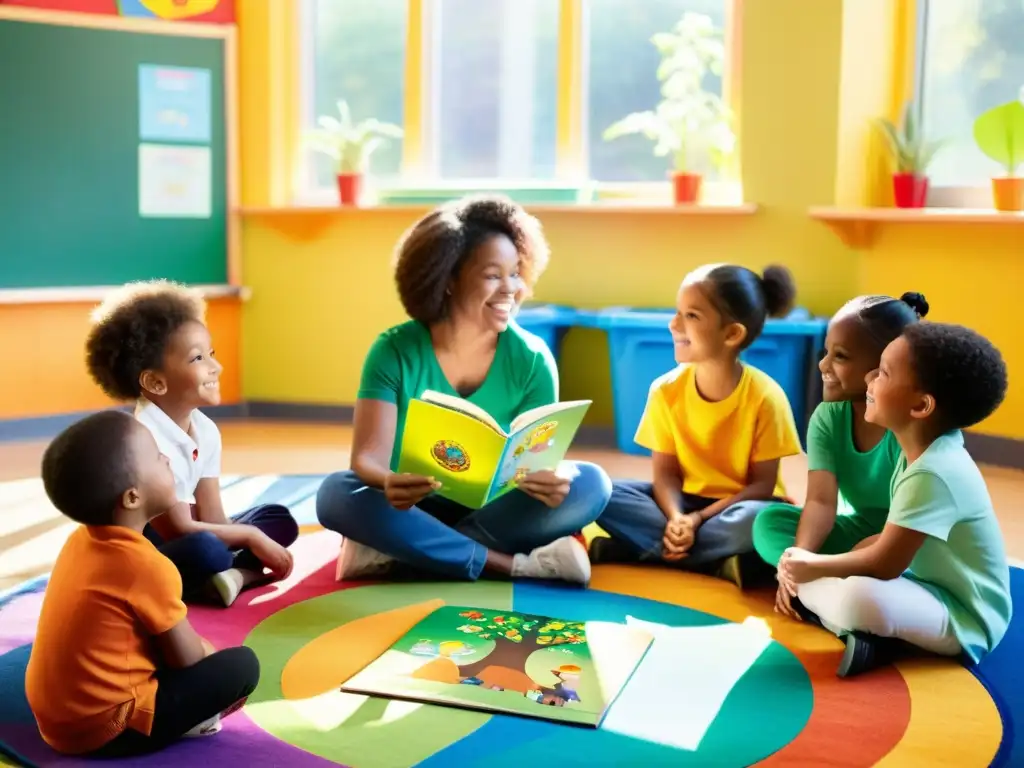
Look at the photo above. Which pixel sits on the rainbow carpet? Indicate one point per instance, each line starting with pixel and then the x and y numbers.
pixel 714 706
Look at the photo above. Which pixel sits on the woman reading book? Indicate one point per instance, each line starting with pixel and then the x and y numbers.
pixel 461 271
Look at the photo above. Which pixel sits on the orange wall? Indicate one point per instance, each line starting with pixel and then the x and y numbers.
pixel 44 352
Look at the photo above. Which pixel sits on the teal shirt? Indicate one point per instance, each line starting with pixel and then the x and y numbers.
pixel 401 365
pixel 963 559
pixel 863 477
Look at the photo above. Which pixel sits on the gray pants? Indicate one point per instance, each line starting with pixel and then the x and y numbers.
pixel 632 516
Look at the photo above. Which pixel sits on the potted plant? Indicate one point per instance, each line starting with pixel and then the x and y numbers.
pixel 999 133
pixel 911 154
pixel 350 145
pixel 690 124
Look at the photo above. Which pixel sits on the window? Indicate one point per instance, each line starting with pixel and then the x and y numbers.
pixel 971 58
pixel 490 80
pixel 494 94
pixel 622 68
pixel 353 50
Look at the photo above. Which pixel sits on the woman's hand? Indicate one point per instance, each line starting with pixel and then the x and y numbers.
pixel 798 566
pixel 404 491
pixel 546 486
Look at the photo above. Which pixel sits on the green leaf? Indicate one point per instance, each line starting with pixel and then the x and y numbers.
pixel 999 133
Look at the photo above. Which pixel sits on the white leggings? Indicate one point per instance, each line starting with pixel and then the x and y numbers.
pixel 898 608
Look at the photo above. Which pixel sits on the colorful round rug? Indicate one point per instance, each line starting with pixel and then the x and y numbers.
pixel 725 701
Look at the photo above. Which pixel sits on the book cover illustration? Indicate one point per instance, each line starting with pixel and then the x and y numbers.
pixel 507 661
pixel 472 457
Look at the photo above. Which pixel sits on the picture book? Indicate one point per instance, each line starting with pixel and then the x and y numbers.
pixel 475 460
pixel 510 662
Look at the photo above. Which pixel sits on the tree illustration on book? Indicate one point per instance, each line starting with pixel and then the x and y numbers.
pixel 506 661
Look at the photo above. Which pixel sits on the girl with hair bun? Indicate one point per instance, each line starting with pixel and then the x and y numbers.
pixel 717 429
pixel 850 461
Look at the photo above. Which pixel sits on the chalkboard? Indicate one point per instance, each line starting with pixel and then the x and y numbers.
pixel 77 176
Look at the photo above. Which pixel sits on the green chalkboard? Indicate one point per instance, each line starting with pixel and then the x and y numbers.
pixel 70 139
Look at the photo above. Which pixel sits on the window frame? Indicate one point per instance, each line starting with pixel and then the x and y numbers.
pixel 420 155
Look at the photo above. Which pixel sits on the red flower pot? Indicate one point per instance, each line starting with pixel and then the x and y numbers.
pixel 909 190
pixel 350 188
pixel 685 187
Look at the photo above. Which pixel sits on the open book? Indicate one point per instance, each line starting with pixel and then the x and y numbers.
pixel 506 661
pixel 474 459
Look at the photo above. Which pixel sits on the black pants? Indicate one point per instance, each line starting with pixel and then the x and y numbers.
pixel 186 697
pixel 198 556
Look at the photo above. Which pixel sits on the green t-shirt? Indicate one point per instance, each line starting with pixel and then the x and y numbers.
pixel 963 559
pixel 401 365
pixel 863 477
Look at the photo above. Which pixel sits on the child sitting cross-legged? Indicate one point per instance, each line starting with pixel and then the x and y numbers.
pixel 717 428
pixel 936 577
pixel 116 668
pixel 148 344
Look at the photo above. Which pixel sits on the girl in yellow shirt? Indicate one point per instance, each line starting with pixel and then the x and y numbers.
pixel 717 429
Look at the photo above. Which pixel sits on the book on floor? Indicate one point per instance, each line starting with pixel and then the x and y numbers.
pixel 507 661
pixel 475 460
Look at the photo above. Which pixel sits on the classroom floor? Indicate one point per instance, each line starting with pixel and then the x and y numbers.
pixel 31 537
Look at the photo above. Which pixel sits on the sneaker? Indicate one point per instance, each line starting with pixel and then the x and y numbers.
pixel 731 569
pixel 227 584
pixel 565 559
pixel 805 613
pixel 205 728
pixel 359 561
pixel 864 653
pixel 604 549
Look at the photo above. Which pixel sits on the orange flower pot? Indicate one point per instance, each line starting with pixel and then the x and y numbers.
pixel 350 188
pixel 1008 193
pixel 685 187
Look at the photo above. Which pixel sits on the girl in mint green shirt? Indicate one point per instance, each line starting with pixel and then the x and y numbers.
pixel 936 577
pixel 849 461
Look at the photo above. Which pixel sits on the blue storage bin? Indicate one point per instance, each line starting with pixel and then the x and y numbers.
pixel 640 349
pixel 548 321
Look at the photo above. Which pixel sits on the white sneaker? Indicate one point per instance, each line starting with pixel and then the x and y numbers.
pixel 358 560
pixel 205 728
pixel 563 558
pixel 227 584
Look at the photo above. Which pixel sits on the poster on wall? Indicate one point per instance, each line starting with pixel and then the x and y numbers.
pixel 178 10
pixel 174 103
pixel 174 181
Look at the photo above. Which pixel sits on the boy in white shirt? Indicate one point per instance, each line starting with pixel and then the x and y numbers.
pixel 149 344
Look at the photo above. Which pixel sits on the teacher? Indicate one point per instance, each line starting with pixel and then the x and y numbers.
pixel 462 272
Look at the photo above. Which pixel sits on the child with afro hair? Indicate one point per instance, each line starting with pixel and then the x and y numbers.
pixel 149 345
pixel 936 577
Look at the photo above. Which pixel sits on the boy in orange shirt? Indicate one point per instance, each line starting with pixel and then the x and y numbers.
pixel 116 669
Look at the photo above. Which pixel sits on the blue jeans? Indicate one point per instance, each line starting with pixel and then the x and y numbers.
pixel 452 540
pixel 198 556
pixel 632 516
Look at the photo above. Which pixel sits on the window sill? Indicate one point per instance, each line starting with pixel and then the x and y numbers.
pixel 306 222
pixel 858 227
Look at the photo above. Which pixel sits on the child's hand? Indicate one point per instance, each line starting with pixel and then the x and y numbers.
pixel 678 538
pixel 272 555
pixel 404 491
pixel 798 566
pixel 784 600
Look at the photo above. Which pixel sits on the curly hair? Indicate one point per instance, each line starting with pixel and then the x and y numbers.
pixel 433 251
pixel 960 368
pixel 87 467
pixel 131 329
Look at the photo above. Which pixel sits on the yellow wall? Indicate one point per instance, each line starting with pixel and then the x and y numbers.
pixel 317 304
